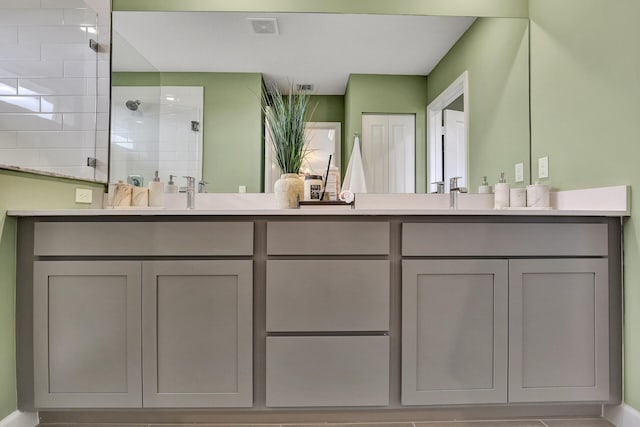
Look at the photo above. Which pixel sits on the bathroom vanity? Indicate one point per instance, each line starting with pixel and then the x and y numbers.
pixel 319 310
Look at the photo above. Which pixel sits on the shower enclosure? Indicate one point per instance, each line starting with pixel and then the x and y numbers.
pixel 156 128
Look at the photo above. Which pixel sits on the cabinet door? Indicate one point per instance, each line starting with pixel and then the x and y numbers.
pixel 454 332
pixel 197 333
pixel 558 330
pixel 87 334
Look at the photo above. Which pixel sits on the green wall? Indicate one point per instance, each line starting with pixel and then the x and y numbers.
pixel 370 93
pixel 233 144
pixel 585 111
pixel 495 52
pixel 20 190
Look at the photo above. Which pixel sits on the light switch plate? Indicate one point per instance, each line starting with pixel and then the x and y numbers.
pixel 84 195
pixel 543 167
pixel 520 172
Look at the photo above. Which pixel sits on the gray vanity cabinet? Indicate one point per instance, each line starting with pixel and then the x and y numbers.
pixel 454 331
pixel 87 334
pixel 197 333
pixel 559 330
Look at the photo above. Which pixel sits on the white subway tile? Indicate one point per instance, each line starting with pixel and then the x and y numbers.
pixel 19 52
pixel 64 157
pixel 19 104
pixel 8 140
pixel 68 51
pixel 8 86
pixel 31 121
pixel 103 105
pixel 80 69
pixel 31 17
pixel 52 34
pixel 8 34
pixel 31 69
pixel 19 4
pixel 101 87
pixel 102 167
pixel 79 121
pixel 99 4
pixel 68 104
pixel 18 157
pixel 85 17
pixel 102 121
pixel 104 69
pixel 64 4
pixel 59 139
pixel 52 86
pixel 102 139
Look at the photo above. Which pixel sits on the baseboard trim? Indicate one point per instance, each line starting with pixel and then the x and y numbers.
pixel 622 415
pixel 20 419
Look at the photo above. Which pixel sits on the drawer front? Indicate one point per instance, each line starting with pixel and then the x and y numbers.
pixel 327 238
pixel 327 295
pixel 514 239
pixel 327 371
pixel 143 238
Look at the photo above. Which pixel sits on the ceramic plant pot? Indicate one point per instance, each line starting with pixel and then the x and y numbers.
pixel 289 189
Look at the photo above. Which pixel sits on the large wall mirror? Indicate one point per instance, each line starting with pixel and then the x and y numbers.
pixel 360 66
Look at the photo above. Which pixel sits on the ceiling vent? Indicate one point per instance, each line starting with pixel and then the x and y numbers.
pixel 264 25
pixel 304 87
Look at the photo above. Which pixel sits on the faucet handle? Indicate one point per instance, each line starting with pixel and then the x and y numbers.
pixel 439 186
pixel 202 186
pixel 453 181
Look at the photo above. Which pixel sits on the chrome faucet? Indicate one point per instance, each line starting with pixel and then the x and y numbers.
pixel 191 192
pixel 454 189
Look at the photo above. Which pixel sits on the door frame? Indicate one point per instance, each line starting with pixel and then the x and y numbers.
pixel 271 169
pixel 460 86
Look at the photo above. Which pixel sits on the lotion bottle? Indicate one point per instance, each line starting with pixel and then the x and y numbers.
pixel 171 186
pixel 156 192
pixel 484 188
pixel 502 190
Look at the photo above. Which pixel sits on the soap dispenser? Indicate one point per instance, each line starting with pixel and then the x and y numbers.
pixel 484 188
pixel 156 192
pixel 172 187
pixel 502 189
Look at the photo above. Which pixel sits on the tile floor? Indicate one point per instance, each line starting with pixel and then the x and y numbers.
pixel 560 422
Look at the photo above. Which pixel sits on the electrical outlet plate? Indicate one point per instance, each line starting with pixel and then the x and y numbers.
pixel 242 188
pixel 543 167
pixel 520 172
pixel 84 195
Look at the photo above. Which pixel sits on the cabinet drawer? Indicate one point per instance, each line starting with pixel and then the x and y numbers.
pixel 513 239
pixel 327 238
pixel 327 295
pixel 143 238
pixel 328 371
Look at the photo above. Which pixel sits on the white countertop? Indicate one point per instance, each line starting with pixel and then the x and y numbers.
pixel 609 202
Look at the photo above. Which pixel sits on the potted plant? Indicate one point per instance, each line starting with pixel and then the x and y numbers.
pixel 285 115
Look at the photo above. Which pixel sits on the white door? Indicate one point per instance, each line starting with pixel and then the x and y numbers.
pixel 388 152
pixel 455 147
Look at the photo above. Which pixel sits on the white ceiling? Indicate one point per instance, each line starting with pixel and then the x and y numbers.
pixel 320 49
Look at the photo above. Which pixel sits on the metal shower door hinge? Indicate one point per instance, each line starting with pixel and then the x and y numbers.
pixel 93 45
pixel 92 162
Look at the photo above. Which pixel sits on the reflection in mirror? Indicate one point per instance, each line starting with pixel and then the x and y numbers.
pixel 156 128
pixel 357 64
pixel 448 139
pixel 324 139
